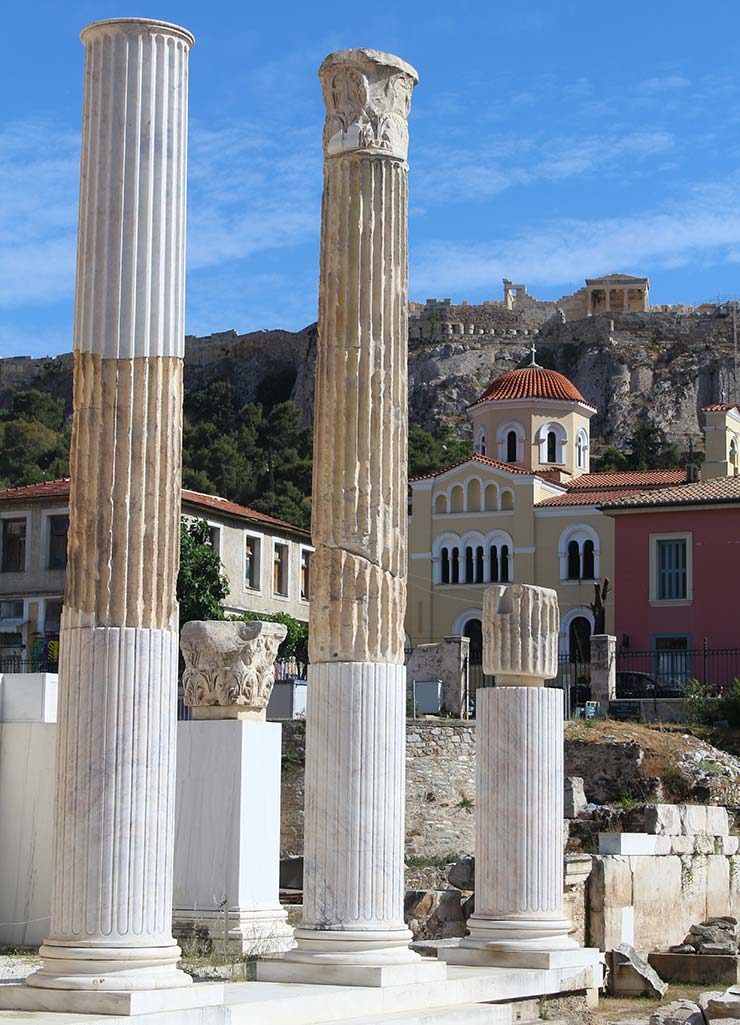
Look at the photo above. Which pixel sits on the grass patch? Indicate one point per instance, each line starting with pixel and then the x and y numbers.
pixel 425 861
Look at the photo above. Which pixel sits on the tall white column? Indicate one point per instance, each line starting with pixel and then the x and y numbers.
pixel 113 848
pixel 518 918
pixel 353 929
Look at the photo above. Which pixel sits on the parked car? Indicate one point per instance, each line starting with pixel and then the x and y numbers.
pixel 632 684
pixel 636 685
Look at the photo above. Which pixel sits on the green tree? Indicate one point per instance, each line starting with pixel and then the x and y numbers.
pixel 36 405
pixel 430 451
pixel 201 585
pixel 649 448
pixel 295 644
pixel 31 452
pixel 611 460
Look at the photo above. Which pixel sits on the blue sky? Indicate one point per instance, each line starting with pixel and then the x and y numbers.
pixel 549 141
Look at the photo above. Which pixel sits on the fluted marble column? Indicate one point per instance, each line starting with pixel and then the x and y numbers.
pixel 518 918
pixel 113 848
pixel 353 929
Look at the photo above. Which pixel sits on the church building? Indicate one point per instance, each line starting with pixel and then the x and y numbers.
pixel 523 508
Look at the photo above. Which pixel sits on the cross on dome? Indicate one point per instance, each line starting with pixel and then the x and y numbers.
pixel 533 350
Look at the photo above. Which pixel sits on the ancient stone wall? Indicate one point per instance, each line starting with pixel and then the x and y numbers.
pixel 440 789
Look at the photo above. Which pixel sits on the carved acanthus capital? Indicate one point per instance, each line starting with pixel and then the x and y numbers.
pixel 229 667
pixel 521 624
pixel 368 97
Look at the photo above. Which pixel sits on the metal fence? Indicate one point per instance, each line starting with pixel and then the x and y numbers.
pixel 666 672
pixel 41 664
pixel 574 679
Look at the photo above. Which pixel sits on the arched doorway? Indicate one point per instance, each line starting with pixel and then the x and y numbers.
pixel 579 639
pixel 474 630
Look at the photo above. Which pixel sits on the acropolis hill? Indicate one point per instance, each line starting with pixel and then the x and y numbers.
pixel 666 360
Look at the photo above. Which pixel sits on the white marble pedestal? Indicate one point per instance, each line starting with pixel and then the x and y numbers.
pixel 227 835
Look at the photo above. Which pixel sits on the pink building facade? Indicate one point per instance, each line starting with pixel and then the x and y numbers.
pixel 677 571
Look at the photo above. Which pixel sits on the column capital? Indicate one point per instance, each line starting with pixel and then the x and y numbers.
pixel 137 27
pixel 368 97
pixel 520 633
pixel 229 667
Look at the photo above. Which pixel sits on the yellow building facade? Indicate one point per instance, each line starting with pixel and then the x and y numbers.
pixel 523 508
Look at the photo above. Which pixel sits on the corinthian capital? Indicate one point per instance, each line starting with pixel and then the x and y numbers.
pixel 229 667
pixel 368 97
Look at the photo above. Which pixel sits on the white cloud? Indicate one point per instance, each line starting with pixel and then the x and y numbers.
pixel 39 169
pixel 250 191
pixel 664 84
pixel 705 225
pixel 491 168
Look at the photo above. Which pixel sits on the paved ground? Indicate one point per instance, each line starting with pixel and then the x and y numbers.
pixel 17 965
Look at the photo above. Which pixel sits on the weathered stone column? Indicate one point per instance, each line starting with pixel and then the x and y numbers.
pixel 113 849
pixel 519 917
pixel 353 929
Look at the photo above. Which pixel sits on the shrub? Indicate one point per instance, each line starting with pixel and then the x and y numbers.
pixel 696 702
pixel 728 706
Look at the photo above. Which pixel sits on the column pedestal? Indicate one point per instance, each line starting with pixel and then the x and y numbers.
pixel 226 881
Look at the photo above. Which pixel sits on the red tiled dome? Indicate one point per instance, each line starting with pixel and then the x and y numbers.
pixel 532 383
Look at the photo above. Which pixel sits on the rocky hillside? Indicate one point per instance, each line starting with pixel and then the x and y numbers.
pixel 663 366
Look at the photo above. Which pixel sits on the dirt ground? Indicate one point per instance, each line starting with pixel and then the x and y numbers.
pixel 617 1009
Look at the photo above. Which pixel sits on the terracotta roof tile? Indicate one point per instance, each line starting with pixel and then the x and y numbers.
pixel 720 407
pixel 60 489
pixel 532 383
pixel 223 505
pixel 584 497
pixel 45 489
pixel 628 479
pixel 705 492
pixel 475 458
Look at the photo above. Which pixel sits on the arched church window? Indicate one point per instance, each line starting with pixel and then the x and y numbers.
pixel 581 449
pixel 445 566
pixel 552 447
pixel 468 564
pixel 493 559
pixel 483 444
pixel 579 551
pixel 504 571
pixel 479 564
pixel 588 560
pixel 455 566
pixel 511 447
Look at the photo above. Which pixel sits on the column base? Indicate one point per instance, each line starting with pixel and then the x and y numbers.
pixel 505 957
pixel 248 932
pixel 113 969
pixel 347 958
pixel 325 973
pixel 20 997
pixel 519 943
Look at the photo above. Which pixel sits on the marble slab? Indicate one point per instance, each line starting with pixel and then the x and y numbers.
pixel 257 1003
pixel 628 843
pixel 27 773
pixel 18 997
pixel 421 971
pixel 28 697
